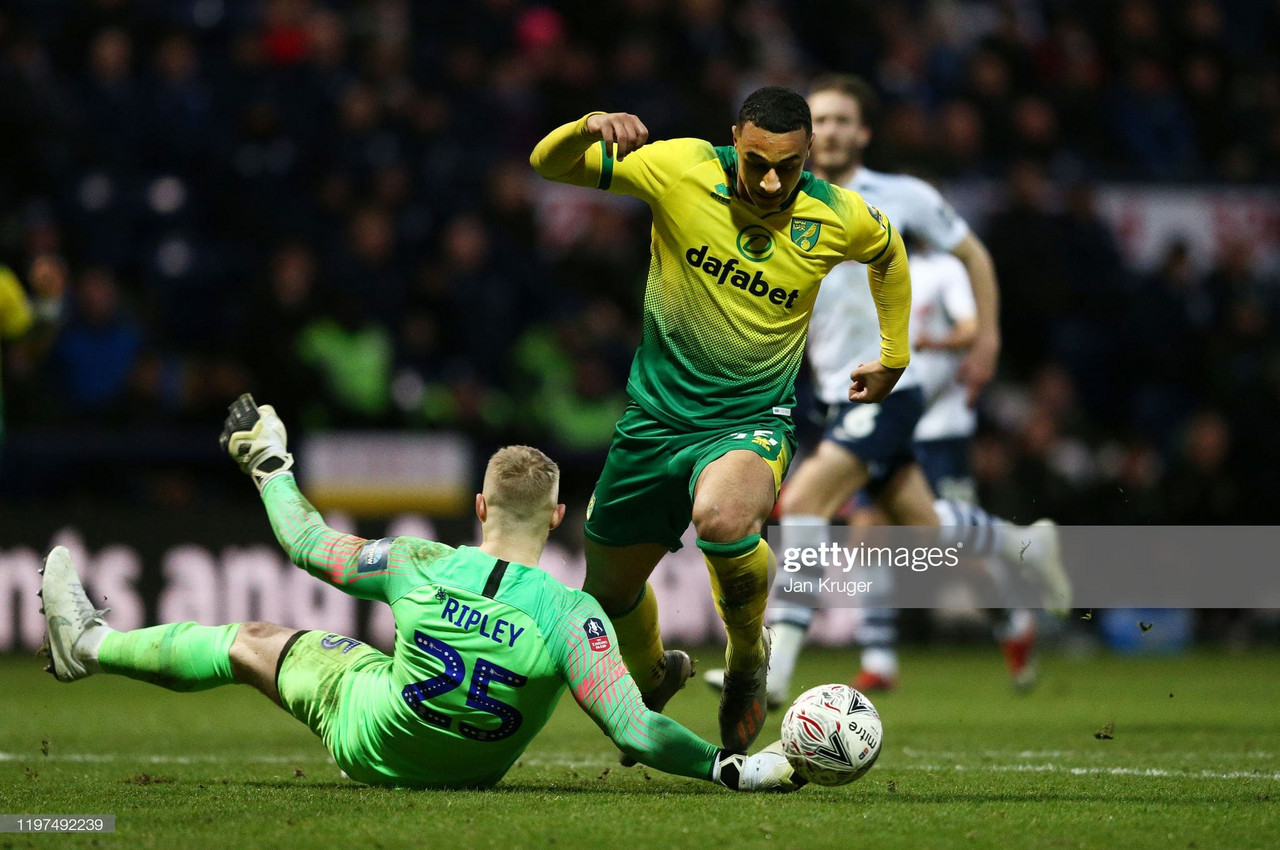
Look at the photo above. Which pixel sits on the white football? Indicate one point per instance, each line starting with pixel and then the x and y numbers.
pixel 832 734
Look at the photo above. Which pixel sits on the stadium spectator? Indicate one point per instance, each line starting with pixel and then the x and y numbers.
pixel 98 348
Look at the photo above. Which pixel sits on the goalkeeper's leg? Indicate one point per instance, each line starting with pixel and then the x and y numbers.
pixel 177 656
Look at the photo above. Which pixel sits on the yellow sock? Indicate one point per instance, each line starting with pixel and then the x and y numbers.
pixel 640 642
pixel 741 575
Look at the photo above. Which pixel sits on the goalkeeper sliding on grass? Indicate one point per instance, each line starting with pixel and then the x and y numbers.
pixel 484 643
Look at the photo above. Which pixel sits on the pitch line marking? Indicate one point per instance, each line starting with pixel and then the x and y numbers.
pixel 1050 767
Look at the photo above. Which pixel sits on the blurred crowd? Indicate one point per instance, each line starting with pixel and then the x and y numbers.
pixel 329 204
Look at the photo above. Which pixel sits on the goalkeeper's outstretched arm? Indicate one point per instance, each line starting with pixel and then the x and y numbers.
pixel 604 689
pixel 256 439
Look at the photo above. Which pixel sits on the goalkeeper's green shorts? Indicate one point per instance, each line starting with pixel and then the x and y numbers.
pixel 645 493
pixel 311 672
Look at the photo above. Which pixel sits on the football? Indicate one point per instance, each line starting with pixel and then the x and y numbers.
pixel 832 734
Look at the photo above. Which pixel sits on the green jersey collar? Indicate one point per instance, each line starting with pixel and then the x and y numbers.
pixel 728 156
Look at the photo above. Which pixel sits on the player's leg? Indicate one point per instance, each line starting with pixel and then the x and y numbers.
pixel 177 656
pixel 1031 550
pixel 256 655
pixel 815 491
pixel 822 483
pixel 946 465
pixel 859 442
pixel 907 498
pixel 733 498
pixel 864 447
pixel 617 576
pixel 903 498
pixel 636 515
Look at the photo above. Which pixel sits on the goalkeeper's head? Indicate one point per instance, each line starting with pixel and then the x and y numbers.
pixel 521 488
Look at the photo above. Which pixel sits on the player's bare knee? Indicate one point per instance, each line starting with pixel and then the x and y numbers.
pixel 256 631
pixel 725 526
pixel 256 641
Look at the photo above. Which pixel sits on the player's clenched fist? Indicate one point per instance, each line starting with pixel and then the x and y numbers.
pixel 620 128
pixel 871 382
pixel 256 439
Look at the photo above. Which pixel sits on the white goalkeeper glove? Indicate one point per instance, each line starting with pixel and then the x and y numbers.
pixel 767 770
pixel 255 438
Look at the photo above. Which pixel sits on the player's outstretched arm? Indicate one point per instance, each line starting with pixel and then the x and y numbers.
pixel 586 648
pixel 256 439
pixel 561 156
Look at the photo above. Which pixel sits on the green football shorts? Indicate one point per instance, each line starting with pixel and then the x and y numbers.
pixel 312 668
pixel 645 493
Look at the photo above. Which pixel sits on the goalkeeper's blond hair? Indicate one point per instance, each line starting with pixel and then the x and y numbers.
pixel 522 484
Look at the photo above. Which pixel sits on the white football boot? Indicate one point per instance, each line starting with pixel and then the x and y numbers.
pixel 74 628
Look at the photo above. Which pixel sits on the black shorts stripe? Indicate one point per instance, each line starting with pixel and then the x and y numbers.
pixel 495 578
pixel 288 645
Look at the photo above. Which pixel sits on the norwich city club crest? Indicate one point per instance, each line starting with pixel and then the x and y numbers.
pixel 805 233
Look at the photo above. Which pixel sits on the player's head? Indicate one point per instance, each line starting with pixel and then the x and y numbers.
pixel 845 108
pixel 521 488
pixel 772 137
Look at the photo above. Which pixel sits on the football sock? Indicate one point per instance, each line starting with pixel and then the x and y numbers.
pixel 788 638
pixel 177 656
pixel 1017 625
pixel 881 660
pixel 741 574
pixel 640 642
pixel 878 635
pixel 980 532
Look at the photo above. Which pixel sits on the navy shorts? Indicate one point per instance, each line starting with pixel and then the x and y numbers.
pixel 946 465
pixel 879 435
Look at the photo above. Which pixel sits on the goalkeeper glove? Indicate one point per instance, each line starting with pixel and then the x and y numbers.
pixel 255 438
pixel 767 770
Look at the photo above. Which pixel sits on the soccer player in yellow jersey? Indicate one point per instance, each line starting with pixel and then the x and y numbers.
pixel 742 237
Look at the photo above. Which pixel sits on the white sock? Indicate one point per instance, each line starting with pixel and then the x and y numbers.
pixel 788 638
pixel 87 646
pixel 880 660
pixel 1021 623
pixel 982 533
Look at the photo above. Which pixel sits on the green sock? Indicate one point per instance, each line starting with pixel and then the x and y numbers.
pixel 177 656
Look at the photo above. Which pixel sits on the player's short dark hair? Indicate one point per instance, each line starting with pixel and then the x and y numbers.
pixel 851 86
pixel 777 109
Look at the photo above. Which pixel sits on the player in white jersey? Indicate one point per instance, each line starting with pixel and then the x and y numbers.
pixel 943 321
pixel 870 445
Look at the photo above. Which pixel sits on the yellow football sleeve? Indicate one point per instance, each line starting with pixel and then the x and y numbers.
pixel 890 281
pixel 569 155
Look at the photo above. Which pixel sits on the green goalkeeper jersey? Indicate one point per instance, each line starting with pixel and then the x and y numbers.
pixel 483 650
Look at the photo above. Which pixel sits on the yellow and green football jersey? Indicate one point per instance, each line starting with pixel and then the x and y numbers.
pixel 731 287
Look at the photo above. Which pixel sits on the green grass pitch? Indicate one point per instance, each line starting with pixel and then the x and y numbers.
pixel 1194 762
